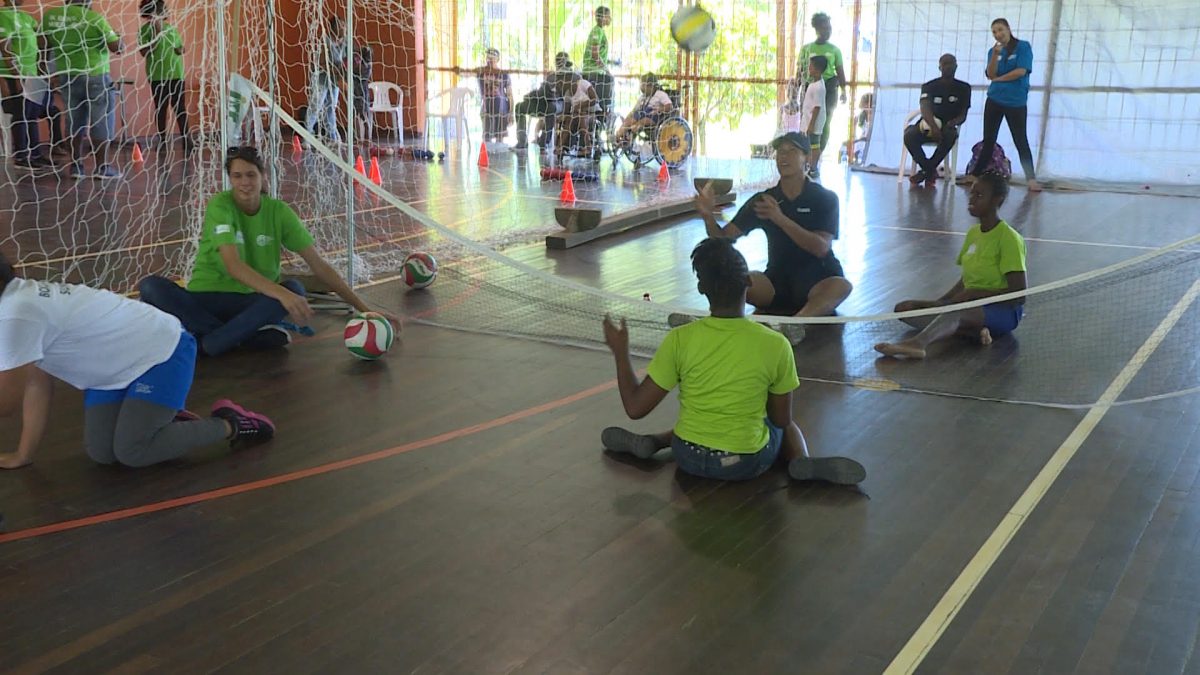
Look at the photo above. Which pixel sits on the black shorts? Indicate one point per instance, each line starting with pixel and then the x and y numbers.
pixel 792 288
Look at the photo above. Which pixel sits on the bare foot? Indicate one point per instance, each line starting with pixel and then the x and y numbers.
pixel 985 337
pixel 1034 186
pixel 900 350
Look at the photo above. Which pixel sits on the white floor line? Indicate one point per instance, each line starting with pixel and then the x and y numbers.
pixel 934 625
pixel 1071 242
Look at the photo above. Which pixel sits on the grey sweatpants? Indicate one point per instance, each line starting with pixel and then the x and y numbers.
pixel 136 432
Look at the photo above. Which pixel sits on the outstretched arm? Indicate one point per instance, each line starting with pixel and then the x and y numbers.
pixel 706 206
pixel 329 276
pixel 33 389
pixel 638 398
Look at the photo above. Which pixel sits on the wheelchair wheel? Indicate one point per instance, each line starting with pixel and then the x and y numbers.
pixel 673 142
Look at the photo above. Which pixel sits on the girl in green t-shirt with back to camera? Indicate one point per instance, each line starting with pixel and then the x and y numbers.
pixel 735 379
pixel 162 47
pixel 993 263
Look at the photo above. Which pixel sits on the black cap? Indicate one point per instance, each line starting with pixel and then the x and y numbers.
pixel 795 138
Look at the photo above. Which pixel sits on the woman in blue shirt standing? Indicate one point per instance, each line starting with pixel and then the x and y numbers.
pixel 1010 62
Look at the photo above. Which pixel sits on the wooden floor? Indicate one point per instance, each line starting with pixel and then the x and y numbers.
pixel 449 509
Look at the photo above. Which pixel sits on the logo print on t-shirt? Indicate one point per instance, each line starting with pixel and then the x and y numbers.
pixel 263 240
pixel 971 249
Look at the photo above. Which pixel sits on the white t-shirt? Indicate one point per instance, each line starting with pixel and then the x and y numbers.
pixel 90 339
pixel 657 102
pixel 814 97
pixel 580 94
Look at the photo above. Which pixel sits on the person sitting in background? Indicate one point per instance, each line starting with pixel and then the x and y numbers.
pixel 649 110
pixel 944 104
pixel 993 263
pixel 495 88
pixel 236 297
pixel 735 377
pixel 543 103
pixel 580 105
pixel 134 363
pixel 162 47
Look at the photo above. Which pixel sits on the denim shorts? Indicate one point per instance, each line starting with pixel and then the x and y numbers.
pixel 720 465
pixel 90 106
pixel 166 384
pixel 1002 318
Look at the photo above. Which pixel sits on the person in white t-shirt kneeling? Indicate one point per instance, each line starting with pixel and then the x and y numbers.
pixel 135 364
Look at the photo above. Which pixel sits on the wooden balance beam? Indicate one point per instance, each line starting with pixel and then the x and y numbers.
pixel 586 225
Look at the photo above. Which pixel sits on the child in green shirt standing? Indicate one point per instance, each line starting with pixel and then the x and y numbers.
pixel 735 379
pixel 162 47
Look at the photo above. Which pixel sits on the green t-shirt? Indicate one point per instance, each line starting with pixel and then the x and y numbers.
pixel 21 29
pixel 79 38
pixel 724 368
pixel 596 38
pixel 831 53
pixel 162 62
pixel 259 238
pixel 987 256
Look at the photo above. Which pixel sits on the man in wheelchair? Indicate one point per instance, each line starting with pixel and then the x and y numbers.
pixel 580 107
pixel 650 109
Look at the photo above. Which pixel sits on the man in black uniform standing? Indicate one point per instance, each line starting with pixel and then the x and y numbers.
pixel 800 219
pixel 944 105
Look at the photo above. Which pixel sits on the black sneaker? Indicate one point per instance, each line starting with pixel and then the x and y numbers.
pixel 248 427
pixel 623 440
pixel 268 337
pixel 918 178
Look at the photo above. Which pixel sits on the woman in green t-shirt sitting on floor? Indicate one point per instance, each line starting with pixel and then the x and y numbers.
pixel 235 297
pixel 735 379
pixel 993 263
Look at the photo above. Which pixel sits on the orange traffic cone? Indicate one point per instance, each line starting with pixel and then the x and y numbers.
pixel 359 166
pixel 663 174
pixel 483 156
pixel 568 189
pixel 297 148
pixel 137 154
pixel 376 176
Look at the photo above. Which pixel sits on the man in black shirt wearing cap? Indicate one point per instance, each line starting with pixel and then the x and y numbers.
pixel 944 105
pixel 543 102
pixel 800 220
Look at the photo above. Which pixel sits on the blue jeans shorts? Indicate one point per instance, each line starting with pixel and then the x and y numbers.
pixel 720 465
pixel 1002 318
pixel 166 384
pixel 90 106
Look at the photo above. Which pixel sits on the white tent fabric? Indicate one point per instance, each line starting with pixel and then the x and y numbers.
pixel 1116 85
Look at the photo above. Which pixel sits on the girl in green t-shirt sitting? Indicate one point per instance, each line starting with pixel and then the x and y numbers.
pixel 993 263
pixel 735 379
pixel 237 296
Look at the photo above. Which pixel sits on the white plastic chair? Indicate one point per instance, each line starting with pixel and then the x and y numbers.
pixel 381 102
pixel 6 148
pixel 455 101
pixel 949 165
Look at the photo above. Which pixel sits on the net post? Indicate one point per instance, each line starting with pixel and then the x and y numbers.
pixel 348 36
pixel 274 137
pixel 852 85
pixel 1051 59
pixel 222 83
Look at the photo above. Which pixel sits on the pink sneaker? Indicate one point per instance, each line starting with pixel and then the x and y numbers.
pixel 249 427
